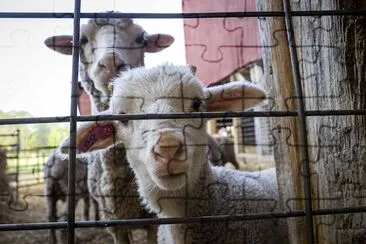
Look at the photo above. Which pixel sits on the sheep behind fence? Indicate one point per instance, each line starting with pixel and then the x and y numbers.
pixel 169 159
pixel 328 41
pixel 56 188
pixel 108 47
pixel 4 180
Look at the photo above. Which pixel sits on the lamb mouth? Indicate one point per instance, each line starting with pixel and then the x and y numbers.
pixel 173 175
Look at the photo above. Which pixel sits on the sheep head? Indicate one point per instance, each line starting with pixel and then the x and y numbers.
pixel 107 47
pixel 170 152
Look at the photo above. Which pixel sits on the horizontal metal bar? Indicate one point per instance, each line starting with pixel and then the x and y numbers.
pixel 9 145
pixel 36 120
pixel 339 211
pixel 35 149
pixel 70 15
pixel 186 220
pixel 12 157
pixel 335 112
pixel 151 221
pixel 148 116
pixel 33 226
pixel 8 135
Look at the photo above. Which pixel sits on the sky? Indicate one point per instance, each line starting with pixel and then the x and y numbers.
pixel 38 80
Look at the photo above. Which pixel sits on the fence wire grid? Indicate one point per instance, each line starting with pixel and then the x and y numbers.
pixel 300 113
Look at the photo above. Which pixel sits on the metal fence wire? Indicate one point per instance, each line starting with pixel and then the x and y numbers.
pixel 300 114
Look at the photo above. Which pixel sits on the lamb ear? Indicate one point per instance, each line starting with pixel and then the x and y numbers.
pixel 95 135
pixel 90 136
pixel 158 42
pixel 234 96
pixel 60 44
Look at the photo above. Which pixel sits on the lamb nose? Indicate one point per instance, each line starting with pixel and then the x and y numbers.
pixel 168 150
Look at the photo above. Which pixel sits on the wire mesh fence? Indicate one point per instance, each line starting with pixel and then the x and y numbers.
pixel 301 143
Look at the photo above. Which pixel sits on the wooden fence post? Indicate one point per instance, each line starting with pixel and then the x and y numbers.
pixel 332 61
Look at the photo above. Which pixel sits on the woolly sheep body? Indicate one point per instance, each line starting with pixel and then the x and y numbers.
pixel 112 183
pixel 4 179
pixel 95 80
pixel 169 157
pixel 220 191
pixel 108 46
pixel 223 151
pixel 56 188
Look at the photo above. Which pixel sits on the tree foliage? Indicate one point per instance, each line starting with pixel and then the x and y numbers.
pixel 31 135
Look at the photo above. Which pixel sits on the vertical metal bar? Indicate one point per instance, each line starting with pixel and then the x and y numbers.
pixel 37 165
pixel 302 121
pixel 40 166
pixel 17 166
pixel 73 114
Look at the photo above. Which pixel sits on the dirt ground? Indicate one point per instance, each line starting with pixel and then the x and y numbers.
pixel 32 209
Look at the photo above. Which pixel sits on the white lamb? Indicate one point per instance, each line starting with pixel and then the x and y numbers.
pixel 108 47
pixel 169 157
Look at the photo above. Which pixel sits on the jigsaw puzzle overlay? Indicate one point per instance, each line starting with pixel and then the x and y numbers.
pixel 254 165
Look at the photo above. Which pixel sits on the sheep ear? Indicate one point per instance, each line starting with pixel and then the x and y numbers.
pixel 158 42
pixel 60 44
pixel 193 69
pixel 234 96
pixel 95 135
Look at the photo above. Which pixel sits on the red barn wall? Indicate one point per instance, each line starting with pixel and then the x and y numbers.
pixel 218 47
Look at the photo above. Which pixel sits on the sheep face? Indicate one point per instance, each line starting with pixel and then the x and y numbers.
pixel 169 152
pixel 107 47
pixel 162 149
